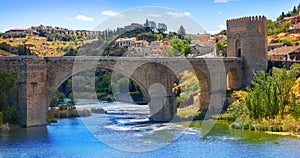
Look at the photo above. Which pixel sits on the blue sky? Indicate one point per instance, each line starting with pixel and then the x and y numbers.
pixel 88 14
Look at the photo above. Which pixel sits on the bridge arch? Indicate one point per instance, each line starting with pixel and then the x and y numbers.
pixel 204 95
pixel 233 79
pixel 60 78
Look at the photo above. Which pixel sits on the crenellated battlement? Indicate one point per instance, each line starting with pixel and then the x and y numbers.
pixel 247 19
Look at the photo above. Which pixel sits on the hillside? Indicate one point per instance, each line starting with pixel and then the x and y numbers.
pixel 40 46
pixel 286 28
pixel 48 40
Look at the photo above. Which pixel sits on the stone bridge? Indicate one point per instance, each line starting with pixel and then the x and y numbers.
pixel 40 77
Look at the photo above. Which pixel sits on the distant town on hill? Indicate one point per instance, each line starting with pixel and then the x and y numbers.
pixel 150 39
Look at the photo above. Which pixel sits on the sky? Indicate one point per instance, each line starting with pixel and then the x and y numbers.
pixel 210 15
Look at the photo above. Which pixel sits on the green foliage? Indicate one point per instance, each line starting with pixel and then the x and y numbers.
pixel 4 46
pixel 287 42
pixel 14 35
pixel 23 50
pixel 285 26
pixel 295 67
pixel 7 85
pixel 10 115
pixel 238 109
pixel 57 99
pixel 70 47
pixel 294 107
pixel 149 36
pixel 181 32
pixel 182 46
pixel 220 45
pixel 272 28
pixel 223 32
pixel 270 93
pixel 189 86
pixel 281 16
pixel 162 28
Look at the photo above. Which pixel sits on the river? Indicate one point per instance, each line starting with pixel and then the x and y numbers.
pixel 125 131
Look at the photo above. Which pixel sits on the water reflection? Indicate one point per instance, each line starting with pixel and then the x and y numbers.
pixel 39 133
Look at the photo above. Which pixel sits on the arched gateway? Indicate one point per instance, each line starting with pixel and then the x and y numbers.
pixel 39 77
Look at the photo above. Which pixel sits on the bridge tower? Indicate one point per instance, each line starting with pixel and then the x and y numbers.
pixel 247 39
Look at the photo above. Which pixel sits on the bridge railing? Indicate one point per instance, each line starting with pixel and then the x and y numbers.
pixel 99 58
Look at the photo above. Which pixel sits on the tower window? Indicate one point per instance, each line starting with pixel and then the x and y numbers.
pixel 238 50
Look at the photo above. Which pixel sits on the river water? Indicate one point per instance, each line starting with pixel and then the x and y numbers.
pixel 125 131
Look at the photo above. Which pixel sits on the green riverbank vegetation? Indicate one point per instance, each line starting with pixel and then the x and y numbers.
pixel 271 103
pixel 8 94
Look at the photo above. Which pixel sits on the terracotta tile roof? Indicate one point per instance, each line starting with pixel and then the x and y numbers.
pixel 284 50
pixel 5 53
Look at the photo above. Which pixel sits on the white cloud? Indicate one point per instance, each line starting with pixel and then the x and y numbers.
pixel 111 13
pixel 219 12
pixel 178 14
pixel 153 15
pixel 187 14
pixel 221 1
pixel 220 28
pixel 84 18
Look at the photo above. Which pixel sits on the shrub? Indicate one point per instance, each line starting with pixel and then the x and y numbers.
pixel 287 42
pixel 10 115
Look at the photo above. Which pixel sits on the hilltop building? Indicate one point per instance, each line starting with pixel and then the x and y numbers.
pixel 290 53
pixel 133 26
pixel 24 30
pixel 125 42
pixel 153 49
pixel 157 48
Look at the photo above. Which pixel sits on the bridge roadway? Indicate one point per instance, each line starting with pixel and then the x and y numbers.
pixel 40 77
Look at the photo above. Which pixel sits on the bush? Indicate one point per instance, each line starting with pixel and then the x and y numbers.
pixel 287 42
pixel 10 115
pixel 229 117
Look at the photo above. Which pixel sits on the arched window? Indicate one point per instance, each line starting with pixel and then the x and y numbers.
pixel 238 50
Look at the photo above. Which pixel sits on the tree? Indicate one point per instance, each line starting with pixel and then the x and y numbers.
pixel 187 49
pixel 7 85
pixel 8 88
pixel 270 94
pixel 23 50
pixel 285 26
pixel 284 80
pixel 223 32
pixel 162 27
pixel 281 16
pixel 181 32
pixel 4 46
pixel 294 10
pixel 182 46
